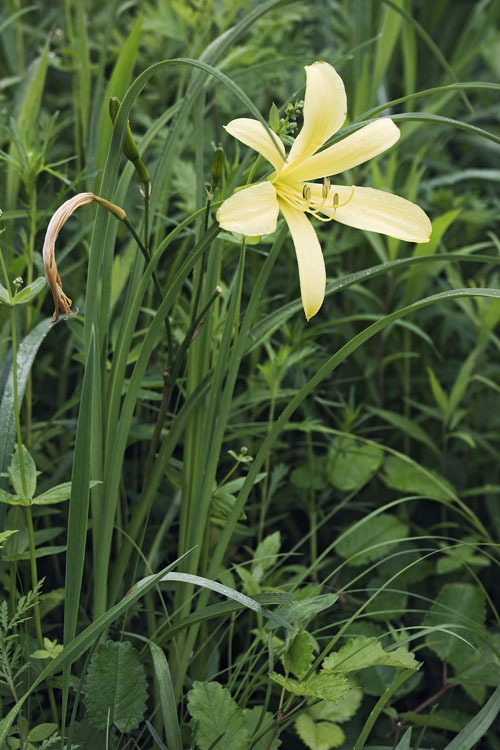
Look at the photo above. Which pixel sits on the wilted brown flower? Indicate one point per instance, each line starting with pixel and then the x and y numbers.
pixel 61 301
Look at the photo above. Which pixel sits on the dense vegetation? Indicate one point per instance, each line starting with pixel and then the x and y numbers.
pixel 230 527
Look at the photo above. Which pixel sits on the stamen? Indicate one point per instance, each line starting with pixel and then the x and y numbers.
pixel 306 193
pixel 326 187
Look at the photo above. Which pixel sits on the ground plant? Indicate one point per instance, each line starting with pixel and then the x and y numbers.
pixel 249 375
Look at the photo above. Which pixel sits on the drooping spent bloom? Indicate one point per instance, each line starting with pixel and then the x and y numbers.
pixel 61 301
pixel 254 210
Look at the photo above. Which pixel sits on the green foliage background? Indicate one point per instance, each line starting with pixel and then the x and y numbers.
pixel 252 495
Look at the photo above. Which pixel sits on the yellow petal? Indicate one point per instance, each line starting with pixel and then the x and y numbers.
pixel 364 144
pixel 252 211
pixel 325 108
pixel 312 274
pixel 374 211
pixel 252 133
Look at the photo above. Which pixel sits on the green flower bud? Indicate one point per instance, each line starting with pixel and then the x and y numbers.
pixel 129 147
pixel 218 160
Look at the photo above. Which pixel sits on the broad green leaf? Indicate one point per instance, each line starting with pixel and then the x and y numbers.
pixel 4 295
pixel 318 735
pixel 352 465
pixel 360 653
pixel 372 539
pixel 265 555
pixel 304 477
pixel 301 610
pixel 328 687
pixel 16 475
pixel 407 476
pixel 460 555
pixel 58 494
pixel 41 732
pixel 459 608
pixel 262 728
pixel 29 292
pixel 217 717
pixel 299 654
pixel 114 669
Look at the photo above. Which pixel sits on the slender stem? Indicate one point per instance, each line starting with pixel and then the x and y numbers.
pixel 147 197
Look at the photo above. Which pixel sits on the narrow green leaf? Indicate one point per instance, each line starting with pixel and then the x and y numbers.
pixel 26 354
pixel 167 698
pixel 479 725
pixel 117 86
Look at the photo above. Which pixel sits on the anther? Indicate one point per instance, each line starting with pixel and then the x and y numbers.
pixel 306 193
pixel 326 188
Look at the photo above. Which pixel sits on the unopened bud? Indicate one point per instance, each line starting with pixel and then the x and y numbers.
pixel 218 160
pixel 129 147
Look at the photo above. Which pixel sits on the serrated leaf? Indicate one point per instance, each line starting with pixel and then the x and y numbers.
pixel 217 717
pixel 328 687
pixel 372 540
pixel 265 555
pixel 318 735
pixel 299 654
pixel 261 726
pixel 30 473
pixel 341 711
pixel 360 653
pixel 352 465
pixel 4 535
pixel 113 669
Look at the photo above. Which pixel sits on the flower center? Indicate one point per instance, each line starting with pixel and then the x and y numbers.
pixel 307 203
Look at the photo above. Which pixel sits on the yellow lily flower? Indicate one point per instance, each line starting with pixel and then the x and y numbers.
pixel 254 210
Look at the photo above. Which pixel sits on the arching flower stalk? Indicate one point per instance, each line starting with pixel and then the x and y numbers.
pixel 61 301
pixel 254 210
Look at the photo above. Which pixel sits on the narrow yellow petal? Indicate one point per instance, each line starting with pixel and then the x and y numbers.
pixel 364 144
pixel 312 274
pixel 252 133
pixel 325 108
pixel 252 211
pixel 374 211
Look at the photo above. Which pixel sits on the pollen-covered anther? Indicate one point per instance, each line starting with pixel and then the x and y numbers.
pixel 306 193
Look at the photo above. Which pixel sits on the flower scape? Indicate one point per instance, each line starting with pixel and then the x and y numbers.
pixel 254 210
